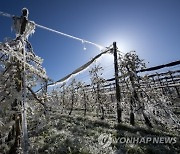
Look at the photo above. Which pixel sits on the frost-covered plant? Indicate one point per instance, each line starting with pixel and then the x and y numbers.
pixel 143 99
pixel 20 70
pixel 128 66
pixel 97 83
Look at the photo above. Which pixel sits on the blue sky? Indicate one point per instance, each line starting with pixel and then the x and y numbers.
pixel 150 27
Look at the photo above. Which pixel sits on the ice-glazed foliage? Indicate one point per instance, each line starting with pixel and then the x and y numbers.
pixel 20 71
pixel 96 75
pixel 30 27
pixel 141 96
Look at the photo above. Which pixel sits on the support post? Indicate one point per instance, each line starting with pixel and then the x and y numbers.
pixel 118 93
pixel 24 108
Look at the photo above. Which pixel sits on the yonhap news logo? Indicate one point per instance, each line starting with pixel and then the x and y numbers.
pixel 105 140
pixel 147 140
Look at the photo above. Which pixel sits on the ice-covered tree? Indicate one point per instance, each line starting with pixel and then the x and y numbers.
pixel 97 82
pixel 142 97
pixel 20 71
pixel 128 66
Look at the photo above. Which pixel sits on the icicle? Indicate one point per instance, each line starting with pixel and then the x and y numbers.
pixel 30 27
pixel 84 47
pixel 24 107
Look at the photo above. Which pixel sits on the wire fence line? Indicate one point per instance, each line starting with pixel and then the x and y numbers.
pixel 168 82
pixel 59 32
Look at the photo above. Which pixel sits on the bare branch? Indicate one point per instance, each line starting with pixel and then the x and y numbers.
pixel 7 69
pixel 35 96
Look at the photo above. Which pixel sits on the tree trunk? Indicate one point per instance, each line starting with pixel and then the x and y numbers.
pixel 135 97
pixel 72 103
pixel 102 110
pixel 16 148
pixel 132 120
pixel 85 103
pixel 147 120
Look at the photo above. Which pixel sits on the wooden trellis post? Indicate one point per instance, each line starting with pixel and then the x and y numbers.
pixel 118 92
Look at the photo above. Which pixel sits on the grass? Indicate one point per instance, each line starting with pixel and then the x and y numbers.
pixel 75 134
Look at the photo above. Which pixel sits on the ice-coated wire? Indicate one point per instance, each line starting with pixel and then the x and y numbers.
pixel 6 15
pixel 58 32
pixel 80 69
pixel 70 36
